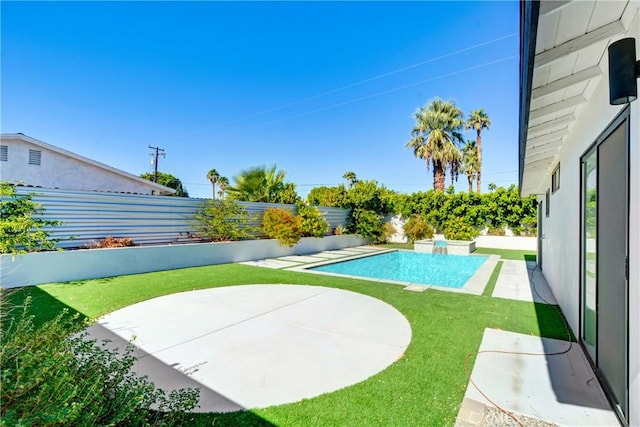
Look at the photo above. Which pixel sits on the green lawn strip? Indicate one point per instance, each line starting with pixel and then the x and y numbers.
pixel 425 387
pixel 491 284
pixel 395 246
pixel 513 254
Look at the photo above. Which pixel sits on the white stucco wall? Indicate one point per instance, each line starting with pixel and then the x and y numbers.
pixel 561 245
pixel 57 170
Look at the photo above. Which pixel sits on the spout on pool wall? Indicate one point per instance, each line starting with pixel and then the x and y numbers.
pixel 447 247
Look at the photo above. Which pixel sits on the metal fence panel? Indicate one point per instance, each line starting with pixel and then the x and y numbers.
pixel 89 216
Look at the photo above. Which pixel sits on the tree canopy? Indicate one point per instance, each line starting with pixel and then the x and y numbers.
pixel 436 138
pixel 168 180
pixel 262 184
pixel 478 120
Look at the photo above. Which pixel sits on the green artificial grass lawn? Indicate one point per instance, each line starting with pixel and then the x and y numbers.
pixel 513 254
pixel 424 387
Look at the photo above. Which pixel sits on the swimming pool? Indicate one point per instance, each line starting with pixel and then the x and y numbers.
pixel 451 271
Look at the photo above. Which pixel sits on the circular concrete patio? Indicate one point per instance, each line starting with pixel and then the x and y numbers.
pixel 255 346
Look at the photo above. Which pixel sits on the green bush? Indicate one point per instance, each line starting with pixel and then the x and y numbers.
pixel 282 225
pixel 368 224
pixel 223 220
pixel 312 221
pixel 21 228
pixel 417 228
pixel 55 375
pixel 458 229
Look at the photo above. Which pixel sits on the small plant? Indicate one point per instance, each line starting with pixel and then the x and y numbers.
pixel 54 375
pixel 496 231
pixel 312 221
pixel 517 231
pixel 458 229
pixel 111 242
pixel 389 230
pixel 417 228
pixel 282 225
pixel 21 229
pixel 223 220
pixel 340 230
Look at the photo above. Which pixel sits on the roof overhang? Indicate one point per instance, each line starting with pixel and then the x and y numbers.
pixel 563 45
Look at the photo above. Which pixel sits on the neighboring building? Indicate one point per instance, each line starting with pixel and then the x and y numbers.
pixel 581 157
pixel 28 161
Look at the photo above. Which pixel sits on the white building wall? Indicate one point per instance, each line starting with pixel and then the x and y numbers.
pixel 57 170
pixel 561 245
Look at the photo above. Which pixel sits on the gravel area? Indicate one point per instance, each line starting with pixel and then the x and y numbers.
pixel 495 417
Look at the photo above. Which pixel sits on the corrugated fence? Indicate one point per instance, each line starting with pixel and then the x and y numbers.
pixel 90 216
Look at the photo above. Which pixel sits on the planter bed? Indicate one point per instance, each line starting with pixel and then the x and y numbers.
pixel 63 266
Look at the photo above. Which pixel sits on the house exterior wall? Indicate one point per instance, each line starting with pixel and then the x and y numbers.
pixel 57 170
pixel 561 243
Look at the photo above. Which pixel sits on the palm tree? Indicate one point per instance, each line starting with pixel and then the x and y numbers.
pixel 478 120
pixel 436 137
pixel 223 183
pixel 257 184
pixel 351 178
pixel 470 165
pixel 213 176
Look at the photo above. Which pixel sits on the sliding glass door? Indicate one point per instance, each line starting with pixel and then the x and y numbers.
pixel 604 294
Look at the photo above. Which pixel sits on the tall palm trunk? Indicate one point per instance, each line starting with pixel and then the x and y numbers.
pixel 470 179
pixel 438 176
pixel 479 145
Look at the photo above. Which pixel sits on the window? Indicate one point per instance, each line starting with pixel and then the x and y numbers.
pixel 555 179
pixel 34 157
pixel 4 153
pixel 546 203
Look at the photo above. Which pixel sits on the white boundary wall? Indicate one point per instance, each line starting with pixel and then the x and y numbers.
pixel 62 266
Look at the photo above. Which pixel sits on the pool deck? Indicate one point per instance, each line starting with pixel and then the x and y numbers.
pixel 230 357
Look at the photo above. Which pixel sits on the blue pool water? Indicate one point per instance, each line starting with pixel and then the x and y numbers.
pixel 451 271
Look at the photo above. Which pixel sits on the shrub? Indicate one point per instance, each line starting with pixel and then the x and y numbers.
pixel 496 231
pixel 223 220
pixel 111 242
pixel 458 229
pixel 389 231
pixel 21 230
pixel 312 221
pixel 417 228
pixel 52 376
pixel 340 230
pixel 368 224
pixel 282 225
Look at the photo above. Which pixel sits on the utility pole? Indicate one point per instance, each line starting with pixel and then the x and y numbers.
pixel 154 160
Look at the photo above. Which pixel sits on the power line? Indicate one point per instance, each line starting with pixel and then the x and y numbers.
pixel 367 80
pixel 384 92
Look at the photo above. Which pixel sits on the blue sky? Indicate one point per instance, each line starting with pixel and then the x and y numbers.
pixel 319 88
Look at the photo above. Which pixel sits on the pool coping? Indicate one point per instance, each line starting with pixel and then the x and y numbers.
pixel 475 285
